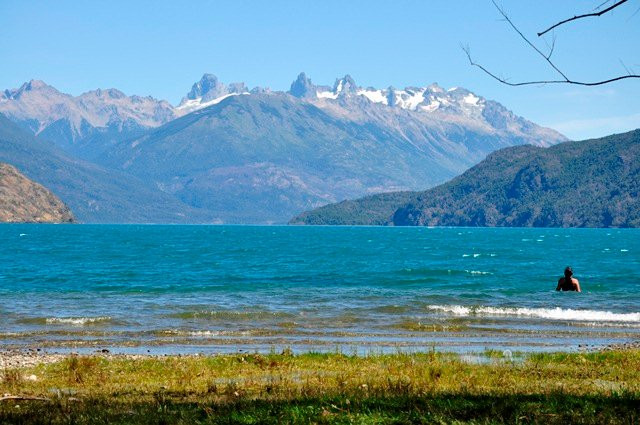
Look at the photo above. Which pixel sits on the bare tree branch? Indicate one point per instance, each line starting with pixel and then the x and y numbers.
pixel 633 14
pixel 547 57
pixel 586 15
pixel 540 82
pixel 601 4
pixel 533 46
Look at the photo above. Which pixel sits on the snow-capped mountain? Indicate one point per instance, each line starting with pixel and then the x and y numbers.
pixel 260 155
pixel 82 124
pixel 255 156
pixel 421 99
pixel 209 91
pixel 206 92
pixel 429 104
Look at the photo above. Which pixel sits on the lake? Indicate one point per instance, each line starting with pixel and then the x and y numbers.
pixel 191 289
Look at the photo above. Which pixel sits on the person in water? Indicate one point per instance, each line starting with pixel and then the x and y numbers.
pixel 568 282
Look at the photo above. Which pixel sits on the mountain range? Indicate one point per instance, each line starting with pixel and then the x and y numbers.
pixel 231 154
pixel 94 193
pixel 591 183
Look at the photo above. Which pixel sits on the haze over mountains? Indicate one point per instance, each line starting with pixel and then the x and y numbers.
pixel 591 183
pixel 84 124
pixel 94 193
pixel 234 155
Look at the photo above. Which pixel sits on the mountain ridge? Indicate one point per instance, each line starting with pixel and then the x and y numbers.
pixel 261 156
pixel 284 154
pixel 590 183
pixel 95 194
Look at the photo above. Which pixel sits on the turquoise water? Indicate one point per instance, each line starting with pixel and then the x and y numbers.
pixel 187 289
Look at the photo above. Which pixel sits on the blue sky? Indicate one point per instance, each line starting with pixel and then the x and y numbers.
pixel 161 48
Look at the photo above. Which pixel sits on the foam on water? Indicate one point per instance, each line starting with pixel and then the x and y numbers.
pixel 78 321
pixel 542 313
pixel 477 272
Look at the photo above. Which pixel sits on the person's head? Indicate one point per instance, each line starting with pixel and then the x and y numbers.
pixel 568 272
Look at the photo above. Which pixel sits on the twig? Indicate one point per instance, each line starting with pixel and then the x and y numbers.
pixel 625 67
pixel 552 47
pixel 586 15
pixel 533 46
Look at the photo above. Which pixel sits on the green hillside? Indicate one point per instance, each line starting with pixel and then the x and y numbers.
pixel 591 183
pixel 95 194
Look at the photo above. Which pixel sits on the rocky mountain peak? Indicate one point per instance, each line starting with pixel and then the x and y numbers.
pixel 207 88
pixel 391 96
pixel 35 84
pixel 30 86
pixel 237 88
pixel 208 91
pixel 345 86
pixel 302 87
pixel 106 93
pixel 435 88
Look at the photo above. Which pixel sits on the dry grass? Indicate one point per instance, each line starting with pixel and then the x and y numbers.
pixel 333 387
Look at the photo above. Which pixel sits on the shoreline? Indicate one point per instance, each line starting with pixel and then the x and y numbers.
pixel 23 358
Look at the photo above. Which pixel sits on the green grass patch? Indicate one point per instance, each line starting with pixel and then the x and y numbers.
pixel 327 388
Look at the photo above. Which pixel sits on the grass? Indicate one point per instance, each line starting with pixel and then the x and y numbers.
pixel 328 388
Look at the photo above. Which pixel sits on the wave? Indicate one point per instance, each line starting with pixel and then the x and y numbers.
pixel 542 313
pixel 229 315
pixel 477 272
pixel 77 321
pixel 213 333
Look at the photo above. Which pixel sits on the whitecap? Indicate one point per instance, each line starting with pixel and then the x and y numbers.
pixel 79 321
pixel 477 272
pixel 542 313
pixel 204 333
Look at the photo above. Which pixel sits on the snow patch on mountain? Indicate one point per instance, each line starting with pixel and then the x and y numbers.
pixel 418 99
pixel 191 105
pixel 471 99
pixel 376 96
pixel 326 95
pixel 207 92
pixel 409 99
